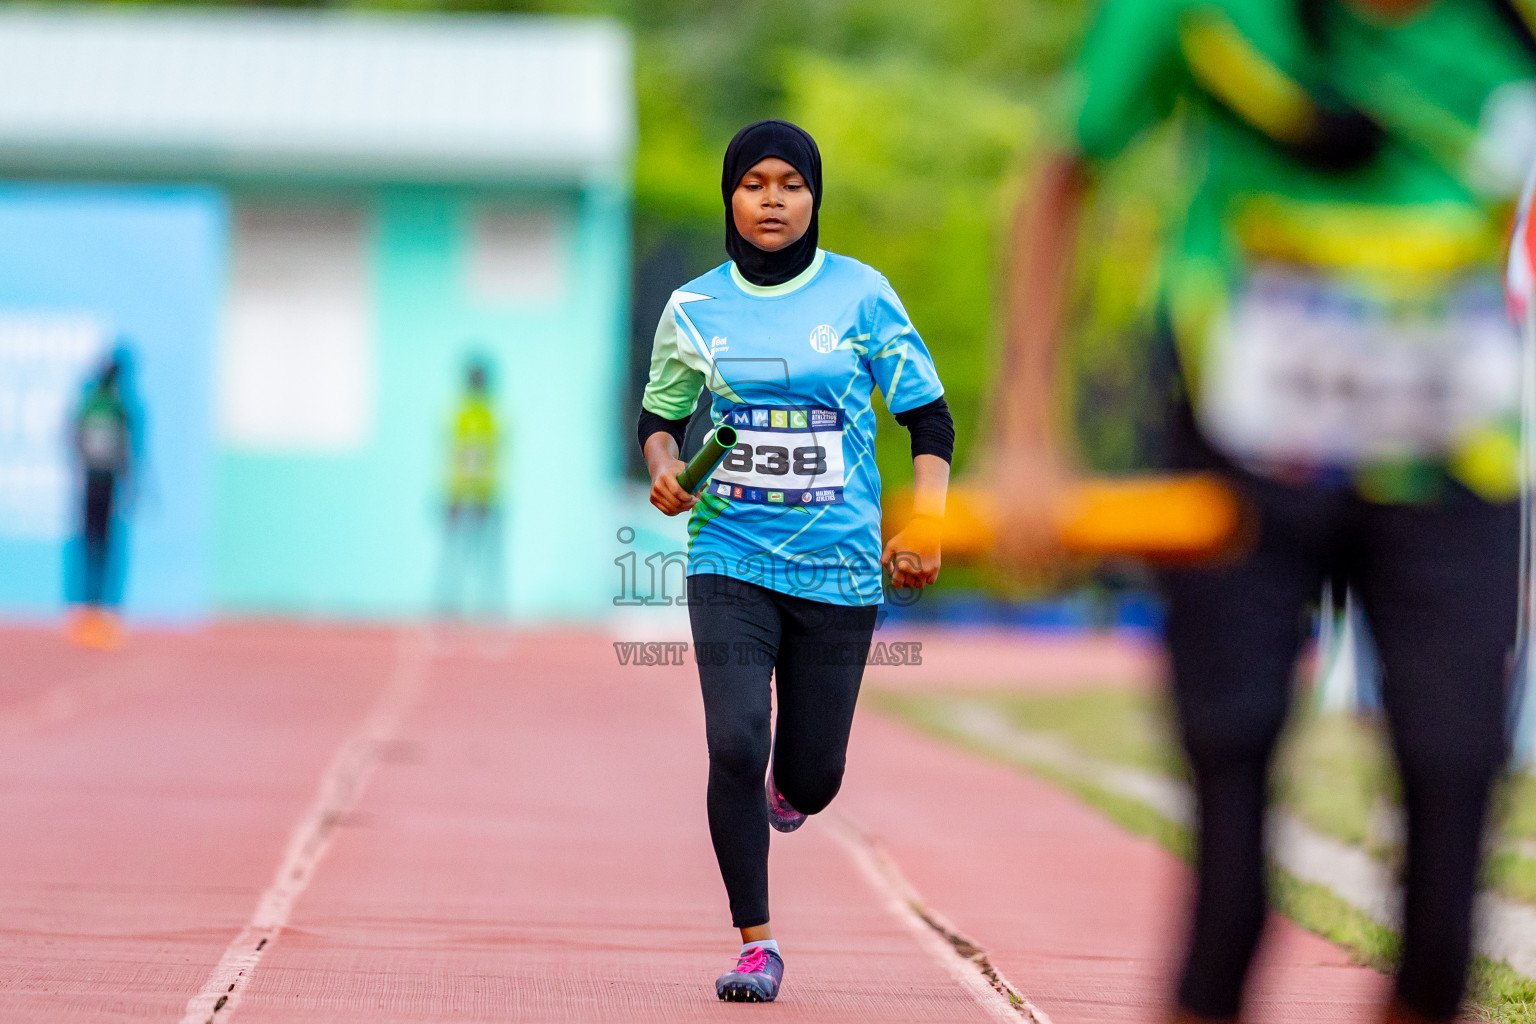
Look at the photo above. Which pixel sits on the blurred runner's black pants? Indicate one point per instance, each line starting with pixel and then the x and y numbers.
pixel 1438 584
pixel 742 635
pixel 99 487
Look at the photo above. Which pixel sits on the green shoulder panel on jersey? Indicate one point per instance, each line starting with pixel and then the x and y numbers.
pixel 678 369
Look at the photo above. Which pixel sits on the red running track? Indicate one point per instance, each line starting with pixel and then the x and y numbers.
pixel 518 834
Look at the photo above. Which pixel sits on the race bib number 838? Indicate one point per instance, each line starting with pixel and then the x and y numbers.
pixel 783 456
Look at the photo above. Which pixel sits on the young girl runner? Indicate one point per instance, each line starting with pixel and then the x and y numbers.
pixel 784 574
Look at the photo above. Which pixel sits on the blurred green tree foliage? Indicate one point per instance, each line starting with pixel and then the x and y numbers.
pixel 929 115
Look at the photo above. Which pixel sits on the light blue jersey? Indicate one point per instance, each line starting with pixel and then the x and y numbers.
pixel 795 506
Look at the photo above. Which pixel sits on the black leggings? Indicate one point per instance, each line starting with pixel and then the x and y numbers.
pixel 1438 584
pixel 742 634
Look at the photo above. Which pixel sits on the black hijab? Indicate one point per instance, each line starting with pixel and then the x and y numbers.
pixel 753 144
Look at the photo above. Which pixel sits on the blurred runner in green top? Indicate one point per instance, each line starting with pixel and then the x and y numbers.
pixel 103 442
pixel 1348 167
pixel 1331 288
pixel 472 550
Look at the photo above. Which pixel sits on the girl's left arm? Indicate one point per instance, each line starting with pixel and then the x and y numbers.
pixel 914 555
pixel 904 371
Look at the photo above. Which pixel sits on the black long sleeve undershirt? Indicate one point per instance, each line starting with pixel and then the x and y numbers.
pixel 650 423
pixel 932 429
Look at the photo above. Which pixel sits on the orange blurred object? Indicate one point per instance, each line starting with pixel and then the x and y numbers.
pixel 95 628
pixel 1160 518
pixel 1179 518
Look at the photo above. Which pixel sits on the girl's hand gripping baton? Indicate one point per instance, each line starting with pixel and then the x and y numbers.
pixel 703 463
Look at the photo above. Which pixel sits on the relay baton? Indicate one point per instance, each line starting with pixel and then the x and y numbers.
pixel 721 440
pixel 1172 519
pixel 1176 518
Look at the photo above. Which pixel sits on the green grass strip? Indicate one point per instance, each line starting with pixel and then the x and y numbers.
pixel 1511 874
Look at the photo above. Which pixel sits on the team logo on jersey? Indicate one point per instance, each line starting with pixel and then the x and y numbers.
pixel 780 419
pixel 736 492
pixel 824 339
pixel 740 418
pixel 759 417
pixel 776 497
pixel 797 419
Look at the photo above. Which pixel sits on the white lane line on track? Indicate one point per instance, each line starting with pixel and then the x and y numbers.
pixel 340 787
pixel 1506 929
pixel 962 959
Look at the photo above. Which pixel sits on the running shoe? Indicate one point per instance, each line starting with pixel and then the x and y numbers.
pixel 756 978
pixel 780 814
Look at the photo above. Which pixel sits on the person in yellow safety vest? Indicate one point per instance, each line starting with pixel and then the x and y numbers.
pixel 472 555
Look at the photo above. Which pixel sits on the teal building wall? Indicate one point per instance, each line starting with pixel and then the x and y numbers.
pixel 359 532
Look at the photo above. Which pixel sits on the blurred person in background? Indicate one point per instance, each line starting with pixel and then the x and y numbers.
pixel 472 531
pixel 1333 298
pixel 103 441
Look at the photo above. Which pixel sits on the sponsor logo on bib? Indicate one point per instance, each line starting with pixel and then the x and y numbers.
pixel 824 339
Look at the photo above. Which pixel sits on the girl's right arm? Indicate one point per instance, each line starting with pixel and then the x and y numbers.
pixel 670 395
pixel 662 461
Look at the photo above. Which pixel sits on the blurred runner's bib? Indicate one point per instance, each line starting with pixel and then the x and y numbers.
pixel 473 460
pixel 783 456
pixel 1307 372
pixel 103 435
pixel 101 441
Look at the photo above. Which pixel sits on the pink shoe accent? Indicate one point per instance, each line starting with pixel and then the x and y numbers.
pixel 754 962
pixel 781 814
